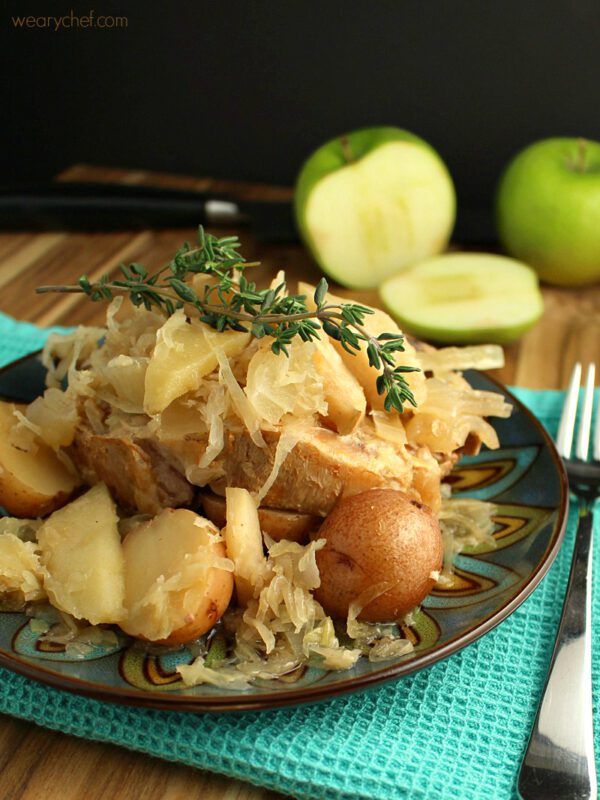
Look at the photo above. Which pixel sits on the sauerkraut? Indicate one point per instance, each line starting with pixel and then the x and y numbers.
pixel 21 571
pixel 184 403
pixel 465 523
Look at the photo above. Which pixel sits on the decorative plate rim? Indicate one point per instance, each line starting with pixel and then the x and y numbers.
pixel 312 694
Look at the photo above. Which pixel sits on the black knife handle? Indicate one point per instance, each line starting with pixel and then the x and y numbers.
pixel 100 206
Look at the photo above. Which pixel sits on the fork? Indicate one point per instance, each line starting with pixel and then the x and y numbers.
pixel 559 761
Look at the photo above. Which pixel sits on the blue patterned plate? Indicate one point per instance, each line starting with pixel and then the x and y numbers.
pixel 526 481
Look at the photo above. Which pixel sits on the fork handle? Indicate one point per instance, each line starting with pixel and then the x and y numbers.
pixel 559 762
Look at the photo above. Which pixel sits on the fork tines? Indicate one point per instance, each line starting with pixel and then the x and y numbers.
pixel 564 440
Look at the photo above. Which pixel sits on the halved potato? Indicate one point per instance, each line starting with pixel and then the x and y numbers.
pixel 184 354
pixel 346 402
pixel 277 523
pixel 244 541
pixel 33 482
pixel 83 559
pixel 379 539
pixel 178 582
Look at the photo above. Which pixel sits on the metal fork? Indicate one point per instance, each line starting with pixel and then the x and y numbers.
pixel 559 762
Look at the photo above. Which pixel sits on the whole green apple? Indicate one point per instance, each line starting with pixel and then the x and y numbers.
pixel 371 202
pixel 548 210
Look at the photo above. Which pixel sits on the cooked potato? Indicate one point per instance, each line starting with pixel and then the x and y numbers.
pixel 377 537
pixel 33 482
pixel 346 402
pixel 358 362
pixel 183 355
pixel 178 582
pixel 244 542
pixel 83 559
pixel 278 524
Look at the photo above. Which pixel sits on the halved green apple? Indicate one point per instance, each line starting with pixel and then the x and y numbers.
pixel 465 297
pixel 372 202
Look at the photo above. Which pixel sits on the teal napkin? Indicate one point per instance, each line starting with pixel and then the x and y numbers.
pixel 457 730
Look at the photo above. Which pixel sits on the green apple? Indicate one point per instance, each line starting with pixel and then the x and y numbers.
pixel 372 202
pixel 462 298
pixel 548 210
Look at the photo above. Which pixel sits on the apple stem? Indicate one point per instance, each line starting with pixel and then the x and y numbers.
pixel 346 149
pixel 580 162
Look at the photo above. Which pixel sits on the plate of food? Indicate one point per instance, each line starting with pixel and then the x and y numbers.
pixel 234 498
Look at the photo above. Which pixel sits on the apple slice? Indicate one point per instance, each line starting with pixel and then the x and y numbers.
pixel 358 362
pixel 372 202
pixel 465 297
pixel 184 354
pixel 346 401
pixel 276 522
pixel 244 542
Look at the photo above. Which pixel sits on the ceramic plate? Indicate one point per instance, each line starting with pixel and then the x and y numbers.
pixel 525 479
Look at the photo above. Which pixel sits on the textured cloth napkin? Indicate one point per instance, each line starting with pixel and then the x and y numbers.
pixel 457 730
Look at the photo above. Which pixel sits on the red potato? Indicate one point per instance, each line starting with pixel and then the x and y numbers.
pixel 376 537
pixel 178 582
pixel 33 482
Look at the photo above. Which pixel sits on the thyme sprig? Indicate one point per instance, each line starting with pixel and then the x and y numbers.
pixel 230 301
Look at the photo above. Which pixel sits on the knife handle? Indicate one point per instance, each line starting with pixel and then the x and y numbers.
pixel 102 206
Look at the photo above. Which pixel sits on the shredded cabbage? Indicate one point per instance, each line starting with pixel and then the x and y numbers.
pixel 78 637
pixel 290 436
pixel 213 413
pixel 96 380
pixel 244 408
pixel 21 573
pixel 24 529
pixel 283 628
pixel 53 417
pixel 465 522
pixel 278 386
pixel 448 359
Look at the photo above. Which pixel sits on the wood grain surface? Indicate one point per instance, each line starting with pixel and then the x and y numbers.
pixel 35 763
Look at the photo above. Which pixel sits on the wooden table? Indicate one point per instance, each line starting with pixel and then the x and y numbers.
pixel 35 763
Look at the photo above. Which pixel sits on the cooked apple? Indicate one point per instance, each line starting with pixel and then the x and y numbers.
pixel 183 355
pixel 33 481
pixel 178 582
pixel 83 559
pixel 346 402
pixel 244 542
pixel 277 523
pixel 373 201
pixel 358 362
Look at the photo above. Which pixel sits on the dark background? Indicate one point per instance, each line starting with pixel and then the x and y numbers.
pixel 246 89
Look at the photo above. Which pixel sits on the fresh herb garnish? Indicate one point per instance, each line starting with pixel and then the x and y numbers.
pixel 233 302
